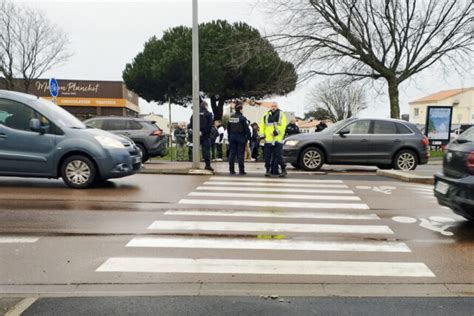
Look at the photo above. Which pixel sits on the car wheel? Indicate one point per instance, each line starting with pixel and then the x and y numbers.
pixel 405 160
pixel 78 172
pixel 143 152
pixel 311 159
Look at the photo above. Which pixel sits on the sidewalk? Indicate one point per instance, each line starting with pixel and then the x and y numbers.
pixel 423 174
pixel 185 168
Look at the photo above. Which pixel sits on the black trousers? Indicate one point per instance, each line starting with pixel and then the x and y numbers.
pixel 273 155
pixel 220 155
pixel 237 150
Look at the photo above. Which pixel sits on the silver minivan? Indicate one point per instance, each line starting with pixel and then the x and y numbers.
pixel 40 139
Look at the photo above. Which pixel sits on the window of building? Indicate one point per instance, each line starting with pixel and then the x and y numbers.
pixel 416 112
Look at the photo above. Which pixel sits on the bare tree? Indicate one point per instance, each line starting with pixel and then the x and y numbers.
pixel 337 100
pixel 376 39
pixel 30 44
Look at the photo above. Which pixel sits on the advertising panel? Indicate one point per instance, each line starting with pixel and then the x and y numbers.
pixel 438 123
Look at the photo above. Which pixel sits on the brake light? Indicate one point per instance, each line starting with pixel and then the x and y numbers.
pixel 470 161
pixel 425 141
pixel 157 133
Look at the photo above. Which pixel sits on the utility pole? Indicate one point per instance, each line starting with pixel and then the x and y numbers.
pixel 196 105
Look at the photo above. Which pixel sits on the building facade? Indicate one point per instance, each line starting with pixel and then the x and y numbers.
pixel 462 101
pixel 85 99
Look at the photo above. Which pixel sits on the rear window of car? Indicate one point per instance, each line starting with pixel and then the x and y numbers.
pixel 467 135
pixel 383 127
pixel 115 125
pixel 95 124
pixel 402 129
pixel 134 125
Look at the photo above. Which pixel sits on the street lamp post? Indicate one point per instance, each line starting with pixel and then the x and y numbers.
pixel 196 128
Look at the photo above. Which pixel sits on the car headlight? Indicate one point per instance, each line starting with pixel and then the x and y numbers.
pixel 108 142
pixel 291 142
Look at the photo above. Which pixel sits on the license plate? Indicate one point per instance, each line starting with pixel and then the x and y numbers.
pixel 442 187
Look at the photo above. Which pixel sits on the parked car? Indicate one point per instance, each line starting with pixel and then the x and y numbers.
pixel 385 143
pixel 148 137
pixel 454 186
pixel 40 139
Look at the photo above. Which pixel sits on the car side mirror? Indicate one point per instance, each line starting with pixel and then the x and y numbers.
pixel 35 126
pixel 344 132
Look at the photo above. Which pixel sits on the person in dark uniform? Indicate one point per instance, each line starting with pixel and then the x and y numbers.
pixel 292 129
pixel 239 134
pixel 205 126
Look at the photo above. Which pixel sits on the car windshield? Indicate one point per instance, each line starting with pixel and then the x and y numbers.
pixel 336 126
pixel 59 115
pixel 466 137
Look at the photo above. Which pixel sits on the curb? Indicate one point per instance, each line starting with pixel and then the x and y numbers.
pixel 403 176
pixel 194 172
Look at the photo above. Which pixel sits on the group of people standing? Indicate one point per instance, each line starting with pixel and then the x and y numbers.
pixel 243 137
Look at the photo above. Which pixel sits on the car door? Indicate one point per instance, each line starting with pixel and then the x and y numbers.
pixel 351 146
pixel 384 141
pixel 22 151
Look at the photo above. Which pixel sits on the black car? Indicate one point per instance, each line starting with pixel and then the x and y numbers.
pixel 385 143
pixel 454 187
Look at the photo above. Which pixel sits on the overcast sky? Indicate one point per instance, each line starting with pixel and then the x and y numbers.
pixel 107 34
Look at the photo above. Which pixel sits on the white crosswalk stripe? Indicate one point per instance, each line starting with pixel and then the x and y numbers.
pixel 280 204
pixel 267 267
pixel 272 190
pixel 275 196
pixel 268 227
pixel 273 216
pixel 281 185
pixel 254 179
pixel 263 244
pixel 17 240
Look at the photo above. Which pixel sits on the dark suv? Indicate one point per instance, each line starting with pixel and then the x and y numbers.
pixel 385 143
pixel 454 187
pixel 148 137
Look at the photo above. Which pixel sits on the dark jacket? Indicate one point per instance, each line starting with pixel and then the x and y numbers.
pixel 238 128
pixel 292 129
pixel 180 135
pixel 205 123
pixel 321 127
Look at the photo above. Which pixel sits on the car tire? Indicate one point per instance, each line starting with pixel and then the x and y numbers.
pixel 405 160
pixel 143 152
pixel 311 159
pixel 78 172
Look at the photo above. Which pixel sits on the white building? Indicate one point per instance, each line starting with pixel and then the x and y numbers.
pixel 162 122
pixel 254 112
pixel 462 101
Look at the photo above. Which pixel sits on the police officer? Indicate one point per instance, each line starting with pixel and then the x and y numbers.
pixel 205 125
pixel 272 129
pixel 239 134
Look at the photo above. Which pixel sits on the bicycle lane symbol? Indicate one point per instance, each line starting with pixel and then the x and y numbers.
pixel 438 224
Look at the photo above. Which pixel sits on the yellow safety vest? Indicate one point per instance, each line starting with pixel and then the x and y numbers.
pixel 267 127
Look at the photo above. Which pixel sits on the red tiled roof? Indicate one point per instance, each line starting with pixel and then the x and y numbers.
pixel 441 95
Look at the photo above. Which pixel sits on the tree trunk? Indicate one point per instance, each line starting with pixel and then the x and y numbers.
pixel 8 83
pixel 214 105
pixel 220 108
pixel 394 101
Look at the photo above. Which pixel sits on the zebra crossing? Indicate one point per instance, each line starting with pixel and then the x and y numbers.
pixel 232 214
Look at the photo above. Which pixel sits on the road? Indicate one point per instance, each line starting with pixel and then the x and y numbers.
pixel 335 234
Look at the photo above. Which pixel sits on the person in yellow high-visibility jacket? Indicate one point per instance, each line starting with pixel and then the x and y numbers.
pixel 272 129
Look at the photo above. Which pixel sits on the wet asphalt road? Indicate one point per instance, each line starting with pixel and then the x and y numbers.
pixel 71 236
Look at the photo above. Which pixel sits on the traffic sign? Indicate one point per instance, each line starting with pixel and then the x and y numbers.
pixel 53 87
